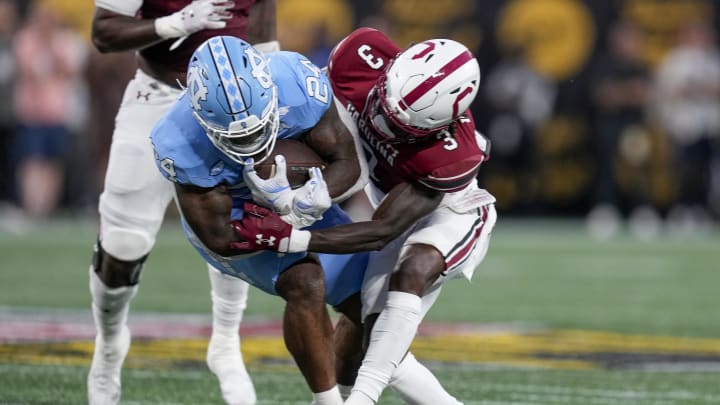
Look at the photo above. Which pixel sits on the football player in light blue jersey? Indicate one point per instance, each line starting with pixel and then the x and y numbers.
pixel 236 105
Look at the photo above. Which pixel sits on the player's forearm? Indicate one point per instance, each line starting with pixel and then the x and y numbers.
pixel 402 207
pixel 217 235
pixel 335 145
pixel 340 175
pixel 208 215
pixel 116 33
pixel 355 237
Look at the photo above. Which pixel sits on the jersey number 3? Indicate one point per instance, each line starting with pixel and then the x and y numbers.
pixel 365 52
pixel 449 142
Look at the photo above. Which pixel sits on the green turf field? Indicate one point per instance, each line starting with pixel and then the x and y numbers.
pixel 562 320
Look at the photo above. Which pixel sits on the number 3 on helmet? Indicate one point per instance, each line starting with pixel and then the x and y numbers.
pixel 233 97
pixel 425 89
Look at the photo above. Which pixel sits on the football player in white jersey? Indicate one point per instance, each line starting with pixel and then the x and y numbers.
pixel 133 203
pixel 432 222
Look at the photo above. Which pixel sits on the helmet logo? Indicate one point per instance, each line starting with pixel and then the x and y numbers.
pixel 460 96
pixel 429 47
pixel 446 70
pixel 198 90
pixel 260 69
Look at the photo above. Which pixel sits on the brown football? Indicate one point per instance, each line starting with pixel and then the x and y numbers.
pixel 298 157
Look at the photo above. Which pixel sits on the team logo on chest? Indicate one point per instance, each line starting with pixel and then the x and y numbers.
pixel 217 168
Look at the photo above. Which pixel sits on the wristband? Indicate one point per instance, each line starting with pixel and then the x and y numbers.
pixel 165 28
pixel 297 242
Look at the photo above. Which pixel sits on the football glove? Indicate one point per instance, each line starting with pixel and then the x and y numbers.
pixel 275 192
pixel 310 201
pixel 262 229
pixel 196 16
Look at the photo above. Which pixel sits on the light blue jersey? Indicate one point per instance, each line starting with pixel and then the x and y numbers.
pixel 185 155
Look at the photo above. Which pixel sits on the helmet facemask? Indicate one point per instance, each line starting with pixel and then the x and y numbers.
pixel 233 98
pixel 248 137
pixel 385 117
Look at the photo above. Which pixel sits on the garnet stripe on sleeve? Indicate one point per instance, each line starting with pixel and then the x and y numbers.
pixel 450 184
pixel 461 251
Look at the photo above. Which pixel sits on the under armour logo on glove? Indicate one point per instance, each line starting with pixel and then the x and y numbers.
pixel 262 229
pixel 269 241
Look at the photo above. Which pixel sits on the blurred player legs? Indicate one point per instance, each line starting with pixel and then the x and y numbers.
pixel 229 300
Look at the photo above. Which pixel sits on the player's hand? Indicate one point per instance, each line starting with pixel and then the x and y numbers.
pixel 275 192
pixel 310 201
pixel 196 16
pixel 263 229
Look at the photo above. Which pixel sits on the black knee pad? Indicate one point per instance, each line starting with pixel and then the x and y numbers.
pixel 113 272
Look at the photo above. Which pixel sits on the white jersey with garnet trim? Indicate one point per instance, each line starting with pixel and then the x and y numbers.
pixel 448 162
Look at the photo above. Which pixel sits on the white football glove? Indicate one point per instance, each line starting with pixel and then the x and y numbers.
pixel 275 192
pixel 310 201
pixel 196 16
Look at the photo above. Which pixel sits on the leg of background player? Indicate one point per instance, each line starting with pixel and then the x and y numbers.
pixel 110 304
pixel 229 299
pixel 132 207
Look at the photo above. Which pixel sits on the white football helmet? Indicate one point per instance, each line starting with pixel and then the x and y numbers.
pixel 424 90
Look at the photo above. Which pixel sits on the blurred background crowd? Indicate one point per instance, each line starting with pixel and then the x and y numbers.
pixel 606 110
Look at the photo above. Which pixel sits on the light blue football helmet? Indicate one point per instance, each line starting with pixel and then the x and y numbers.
pixel 233 97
